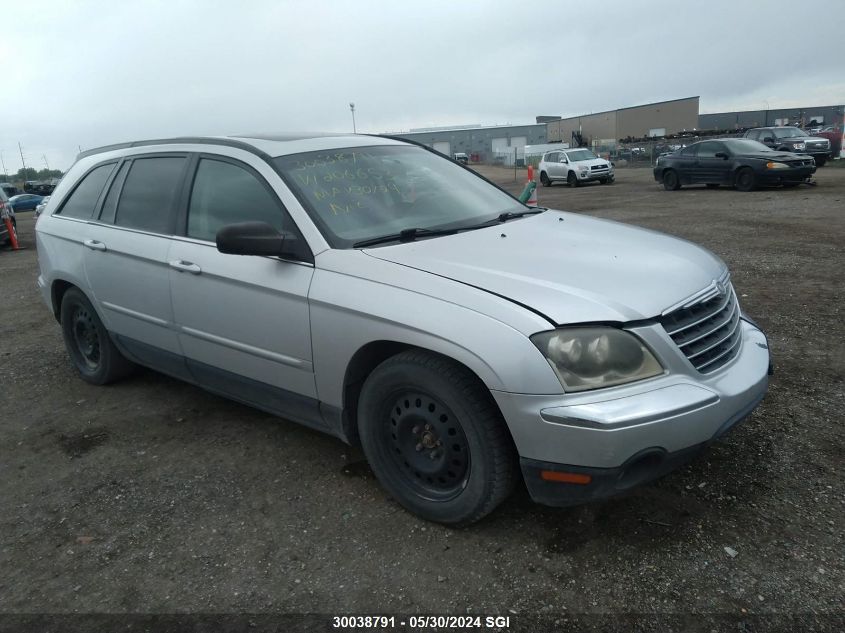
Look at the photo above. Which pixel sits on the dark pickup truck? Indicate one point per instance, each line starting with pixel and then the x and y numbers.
pixel 792 139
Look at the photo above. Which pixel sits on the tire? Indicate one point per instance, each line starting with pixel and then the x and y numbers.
pixel 712 186
pixel 435 439
pixel 745 179
pixel 820 161
pixel 572 179
pixel 88 343
pixel 603 181
pixel 671 182
pixel 544 179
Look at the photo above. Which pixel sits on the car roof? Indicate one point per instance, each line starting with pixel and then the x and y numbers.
pixel 268 145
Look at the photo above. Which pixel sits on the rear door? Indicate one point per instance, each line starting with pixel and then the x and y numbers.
pixel 126 257
pixel 243 321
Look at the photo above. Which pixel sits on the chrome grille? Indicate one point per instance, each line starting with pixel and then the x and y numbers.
pixel 708 333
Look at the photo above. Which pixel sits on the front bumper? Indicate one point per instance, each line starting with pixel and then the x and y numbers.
pixel 780 176
pixel 627 435
pixel 592 176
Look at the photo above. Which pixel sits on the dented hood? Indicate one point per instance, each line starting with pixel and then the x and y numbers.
pixel 570 268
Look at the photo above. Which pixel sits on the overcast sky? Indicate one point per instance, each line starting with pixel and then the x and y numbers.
pixel 79 73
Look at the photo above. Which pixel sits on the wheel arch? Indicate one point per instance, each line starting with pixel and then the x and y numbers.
pixel 363 363
pixel 58 289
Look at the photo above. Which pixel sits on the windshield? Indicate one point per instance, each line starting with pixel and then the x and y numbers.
pixel 581 154
pixel 358 193
pixel 788 132
pixel 745 146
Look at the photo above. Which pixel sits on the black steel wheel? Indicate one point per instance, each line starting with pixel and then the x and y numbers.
pixel 544 179
pixel 91 349
pixel 745 179
pixel 435 438
pixel 428 445
pixel 671 182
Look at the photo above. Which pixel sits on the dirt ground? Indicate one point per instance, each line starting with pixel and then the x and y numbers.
pixel 154 496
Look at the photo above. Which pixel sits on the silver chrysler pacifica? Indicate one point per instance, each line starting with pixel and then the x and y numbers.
pixel 378 291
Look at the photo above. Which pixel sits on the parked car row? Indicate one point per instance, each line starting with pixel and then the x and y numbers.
pixel 375 290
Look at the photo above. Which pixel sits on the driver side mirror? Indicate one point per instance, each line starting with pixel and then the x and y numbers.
pixel 722 155
pixel 768 139
pixel 259 238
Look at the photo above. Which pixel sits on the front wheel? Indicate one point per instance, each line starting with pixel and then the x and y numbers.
pixel 435 439
pixel 572 179
pixel 91 349
pixel 745 179
pixel 544 179
pixel 671 182
pixel 820 161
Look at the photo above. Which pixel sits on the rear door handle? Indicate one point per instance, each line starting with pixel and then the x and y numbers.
pixel 94 245
pixel 182 266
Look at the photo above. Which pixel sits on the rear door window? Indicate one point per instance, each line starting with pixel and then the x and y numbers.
pixel 225 193
pixel 149 196
pixel 708 149
pixel 83 200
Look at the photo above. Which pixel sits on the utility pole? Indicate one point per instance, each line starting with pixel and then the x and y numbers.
pixel 23 162
pixel 352 109
pixel 44 156
pixel 5 175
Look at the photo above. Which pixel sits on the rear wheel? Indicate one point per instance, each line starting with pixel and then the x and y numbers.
pixel 745 179
pixel 435 439
pixel 91 349
pixel 572 179
pixel 544 179
pixel 671 182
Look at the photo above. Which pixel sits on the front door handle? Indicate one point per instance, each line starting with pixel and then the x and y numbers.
pixel 94 245
pixel 182 266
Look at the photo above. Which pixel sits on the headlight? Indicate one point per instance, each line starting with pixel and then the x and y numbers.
pixel 593 357
pixel 777 166
pixel 799 146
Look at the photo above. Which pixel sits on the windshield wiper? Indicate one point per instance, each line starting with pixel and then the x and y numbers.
pixel 406 235
pixel 409 235
pixel 510 215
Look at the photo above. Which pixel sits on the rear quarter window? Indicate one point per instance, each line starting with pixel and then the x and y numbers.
pixel 83 199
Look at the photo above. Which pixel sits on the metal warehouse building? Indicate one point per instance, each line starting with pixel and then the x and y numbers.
pixel 602 130
pixel 803 117
pixel 485 143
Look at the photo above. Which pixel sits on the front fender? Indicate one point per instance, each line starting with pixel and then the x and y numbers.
pixel 349 311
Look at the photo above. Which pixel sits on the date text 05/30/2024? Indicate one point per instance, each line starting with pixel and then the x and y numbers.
pixel 351 622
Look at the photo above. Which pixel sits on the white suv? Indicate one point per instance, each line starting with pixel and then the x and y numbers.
pixel 575 166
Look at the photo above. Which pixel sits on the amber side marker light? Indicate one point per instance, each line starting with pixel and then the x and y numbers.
pixel 567 478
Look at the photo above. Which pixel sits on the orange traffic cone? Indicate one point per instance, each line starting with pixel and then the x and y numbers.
pixel 532 200
pixel 13 236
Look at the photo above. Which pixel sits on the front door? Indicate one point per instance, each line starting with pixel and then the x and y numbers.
pixel 712 169
pixel 243 321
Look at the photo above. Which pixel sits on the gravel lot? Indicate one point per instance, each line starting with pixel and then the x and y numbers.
pixel 154 496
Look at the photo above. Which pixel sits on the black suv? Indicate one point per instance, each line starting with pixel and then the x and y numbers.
pixel 792 139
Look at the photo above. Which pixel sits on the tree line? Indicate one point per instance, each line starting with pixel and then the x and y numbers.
pixel 30 173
